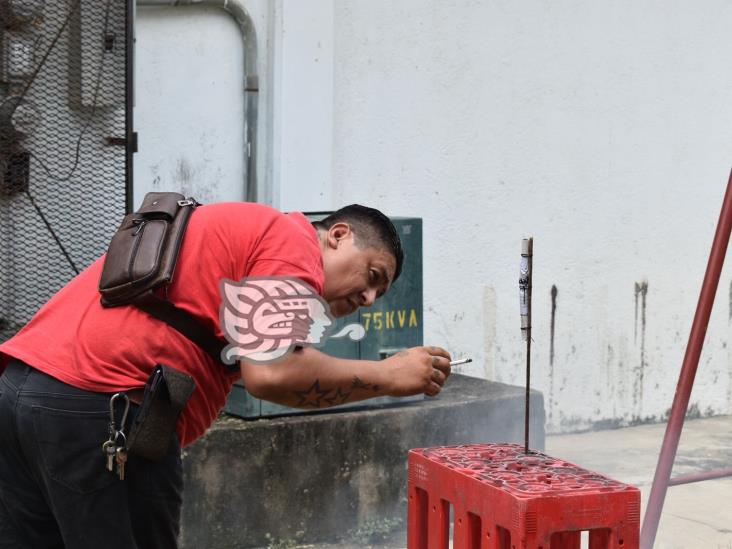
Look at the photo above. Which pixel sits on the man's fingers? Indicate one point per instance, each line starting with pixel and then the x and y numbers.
pixel 438 351
pixel 442 364
pixel 438 377
pixel 433 389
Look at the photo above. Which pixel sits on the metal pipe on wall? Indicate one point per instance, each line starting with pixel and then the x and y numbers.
pixel 238 11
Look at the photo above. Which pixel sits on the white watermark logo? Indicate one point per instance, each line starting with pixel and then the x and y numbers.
pixel 264 318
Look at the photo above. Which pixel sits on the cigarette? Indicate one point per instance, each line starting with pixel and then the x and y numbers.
pixel 462 361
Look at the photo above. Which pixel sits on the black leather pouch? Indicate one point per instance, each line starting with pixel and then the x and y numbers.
pixel 166 393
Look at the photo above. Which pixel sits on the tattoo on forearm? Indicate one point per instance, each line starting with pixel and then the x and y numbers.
pixel 339 397
pixel 313 396
pixel 317 397
pixel 358 384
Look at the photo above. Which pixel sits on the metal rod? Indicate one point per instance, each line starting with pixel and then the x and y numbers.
pixel 50 230
pixel 698 477
pixel 688 372
pixel 528 393
pixel 129 102
pixel 525 275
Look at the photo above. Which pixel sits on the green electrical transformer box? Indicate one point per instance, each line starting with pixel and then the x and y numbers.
pixel 393 323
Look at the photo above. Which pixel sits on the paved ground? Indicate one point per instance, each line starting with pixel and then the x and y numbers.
pixel 696 516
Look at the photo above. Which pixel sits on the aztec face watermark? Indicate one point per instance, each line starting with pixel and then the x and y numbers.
pixel 264 318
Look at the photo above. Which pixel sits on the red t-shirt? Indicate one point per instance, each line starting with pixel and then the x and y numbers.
pixel 74 339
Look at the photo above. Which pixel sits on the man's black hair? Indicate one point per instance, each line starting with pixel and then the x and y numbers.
pixel 371 229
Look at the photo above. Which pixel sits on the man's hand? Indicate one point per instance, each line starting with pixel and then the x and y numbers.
pixel 418 370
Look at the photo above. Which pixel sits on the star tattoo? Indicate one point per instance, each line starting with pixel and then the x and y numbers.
pixel 358 384
pixel 313 396
pixel 338 398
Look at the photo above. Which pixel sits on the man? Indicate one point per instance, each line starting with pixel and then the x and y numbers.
pixel 62 368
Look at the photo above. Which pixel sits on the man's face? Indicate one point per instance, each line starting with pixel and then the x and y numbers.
pixel 354 277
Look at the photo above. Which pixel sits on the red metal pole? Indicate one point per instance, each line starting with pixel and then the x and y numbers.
pixel 688 371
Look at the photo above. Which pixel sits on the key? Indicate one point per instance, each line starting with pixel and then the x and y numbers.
pixel 121 454
pixel 109 450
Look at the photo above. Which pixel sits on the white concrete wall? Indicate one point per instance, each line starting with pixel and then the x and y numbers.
pixel 190 99
pixel 602 129
pixel 189 106
pixel 302 89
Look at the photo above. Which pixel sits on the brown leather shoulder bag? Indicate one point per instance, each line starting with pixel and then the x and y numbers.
pixel 144 250
pixel 141 261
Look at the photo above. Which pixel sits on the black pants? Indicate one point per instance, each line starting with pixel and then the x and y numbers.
pixel 55 489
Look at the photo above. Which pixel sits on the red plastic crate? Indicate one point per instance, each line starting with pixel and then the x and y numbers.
pixel 506 499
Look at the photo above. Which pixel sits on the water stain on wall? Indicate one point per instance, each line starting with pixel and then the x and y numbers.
pixel 635 320
pixel 195 181
pixel 183 172
pixel 609 382
pixel 641 291
pixel 552 323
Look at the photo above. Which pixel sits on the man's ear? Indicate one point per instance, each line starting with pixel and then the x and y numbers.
pixel 337 232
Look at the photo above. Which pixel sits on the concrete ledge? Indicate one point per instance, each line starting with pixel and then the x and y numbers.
pixel 312 478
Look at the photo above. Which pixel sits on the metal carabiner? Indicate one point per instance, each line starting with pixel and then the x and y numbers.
pixel 117 436
pixel 115 396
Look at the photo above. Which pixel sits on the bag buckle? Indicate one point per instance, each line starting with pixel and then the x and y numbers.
pixel 187 202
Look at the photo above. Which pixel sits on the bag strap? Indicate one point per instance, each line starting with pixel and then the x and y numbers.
pixel 186 324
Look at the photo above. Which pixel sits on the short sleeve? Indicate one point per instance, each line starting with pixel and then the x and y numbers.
pixel 279 267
